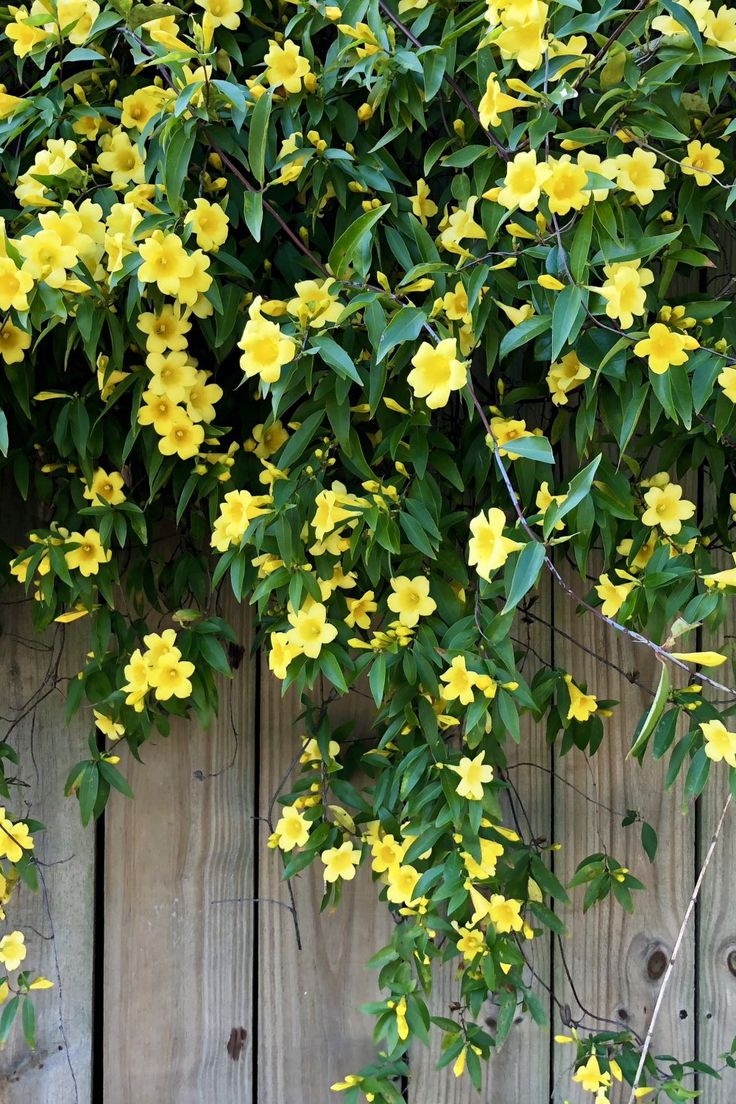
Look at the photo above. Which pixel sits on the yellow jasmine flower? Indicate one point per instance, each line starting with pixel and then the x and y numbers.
pixel 410 599
pixel 170 677
pixel 340 862
pixel 545 499
pixel 522 38
pixel 12 950
pixel 523 182
pixel 265 349
pixel 422 205
pixel 15 283
pixel 89 553
pixel 183 437
pixel 387 852
pixel 165 330
pixel 664 348
pixel 14 838
pixel 437 372
pixel 283 650
pixel 165 262
pixel 310 629
pixel 703 162
pixel 121 158
pixel 292 829
pixel 473 776
pixel 490 853
pixel 285 67
pixel 460 682
pixel 402 882
pixel 636 173
pixel 566 186
pixel 613 595
pixel 720 28
pixel 209 222
pixel 504 914
pixel 590 1076
pixel 107 726
pixel 582 706
pixel 488 548
pixel 360 609
pixel 667 508
pixel 495 102
pixel 269 440
pixel 315 303
pixel 624 290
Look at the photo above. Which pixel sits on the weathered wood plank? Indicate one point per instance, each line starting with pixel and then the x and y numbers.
pixel 310 1030
pixel 59 1071
pixel 519 1072
pixel 617 960
pixel 178 967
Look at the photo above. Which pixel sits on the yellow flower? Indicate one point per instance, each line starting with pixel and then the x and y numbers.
pixel 667 508
pixel 523 35
pixel 136 672
pixel 437 372
pixel 455 304
pixel 310 629
pixel 89 554
pixel 269 439
pixel 121 158
pixel 504 914
pixel 15 283
pixel 201 398
pixel 722 579
pixel 105 488
pixel 422 205
pixel 170 676
pixel 624 290
pixel 340 862
pixel 285 66
pixel 107 726
pixel 590 1076
pixel 329 514
pixel 720 28
pixel 582 706
pixel 41 983
pixel 460 682
pixel 566 185
pixel 192 287
pixel 564 376
pixel 292 829
pixel 402 1026
pixel 209 222
pixel 14 838
pixel 727 380
pixel 545 499
pixel 165 262
pixel 490 853
pixel 47 257
pixel 664 348
pixel 636 173
pixel 165 330
pixel 172 374
pixel 523 182
pixel 488 548
pixel 237 510
pixel 387 853
pixel 702 162
pixel 473 775
pixel 140 106
pixel 315 303
pixel 183 437
pixel 222 13
pixel 613 595
pixel 410 599
pixel 283 650
pixel 265 349
pixel 402 881
pixel 360 609
pixel 12 950
pixel 13 342
pixel 704 659
pixel 495 102
pixel 159 411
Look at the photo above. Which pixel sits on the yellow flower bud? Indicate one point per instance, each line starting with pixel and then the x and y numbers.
pixel 364 113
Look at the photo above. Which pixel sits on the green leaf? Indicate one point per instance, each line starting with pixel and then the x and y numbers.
pixel 520 335
pixel 526 572
pixel 697 774
pixel 6 1019
pixel 406 325
pixel 347 244
pixel 88 792
pixel 651 719
pixel 333 354
pixel 532 447
pixel 253 212
pixel 566 309
pixel 649 841
pixel 176 158
pixel 299 440
pixel 579 487
pixel 29 1022
pixel 258 136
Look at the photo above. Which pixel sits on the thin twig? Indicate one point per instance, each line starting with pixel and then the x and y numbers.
pixel 675 952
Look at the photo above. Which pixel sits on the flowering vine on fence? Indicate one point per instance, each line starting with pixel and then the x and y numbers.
pixel 379 318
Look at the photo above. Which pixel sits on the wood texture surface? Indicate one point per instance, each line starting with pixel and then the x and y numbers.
pixel 310 1029
pixel 58 921
pixel 178 965
pixel 617 959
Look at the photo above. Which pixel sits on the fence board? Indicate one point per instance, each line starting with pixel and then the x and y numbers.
pixel 178 968
pixel 310 1030
pixel 617 960
pixel 520 1069
pixel 59 1071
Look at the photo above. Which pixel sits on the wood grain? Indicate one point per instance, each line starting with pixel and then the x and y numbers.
pixel 310 1030
pixel 178 966
pixel 519 1071
pixel 58 1072
pixel 617 959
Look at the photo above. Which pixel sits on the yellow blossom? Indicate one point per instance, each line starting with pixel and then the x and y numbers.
pixel 667 508
pixel 285 67
pixel 422 205
pixel 523 182
pixel 473 776
pixel 636 173
pixel 664 348
pixel 460 682
pixel 495 102
pixel 613 595
pixel 410 599
pixel 590 1077
pixel 292 829
pixel 437 372
pixel 624 290
pixel 582 706
pixel 89 553
pixel 12 950
pixel 340 862
pixel 488 548
pixel 310 629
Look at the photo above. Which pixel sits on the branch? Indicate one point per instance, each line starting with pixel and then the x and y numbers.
pixel 675 952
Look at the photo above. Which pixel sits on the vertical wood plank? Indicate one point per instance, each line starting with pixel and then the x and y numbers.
pixel 617 960
pixel 178 967
pixel 58 921
pixel 519 1072
pixel 310 1029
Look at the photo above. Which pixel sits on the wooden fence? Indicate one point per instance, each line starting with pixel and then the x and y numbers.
pixel 177 974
